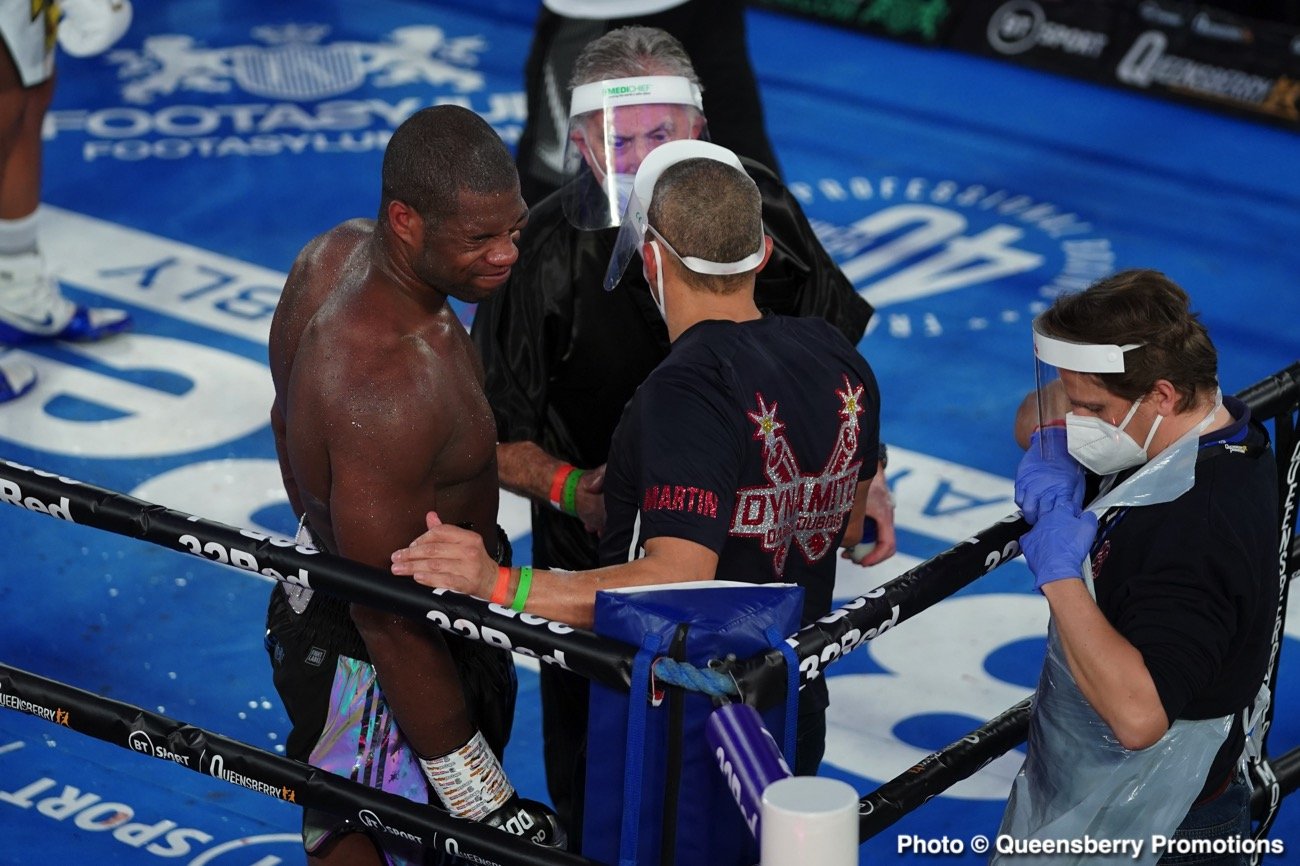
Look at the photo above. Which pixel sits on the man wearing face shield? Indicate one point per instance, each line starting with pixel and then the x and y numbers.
pixel 748 410
pixel 1163 590
pixel 614 124
pixel 713 33
pixel 563 356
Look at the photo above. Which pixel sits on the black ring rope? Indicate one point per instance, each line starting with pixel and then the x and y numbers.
pixel 606 661
pixel 960 760
pixel 816 646
pixel 854 623
pixel 231 761
pixel 1276 398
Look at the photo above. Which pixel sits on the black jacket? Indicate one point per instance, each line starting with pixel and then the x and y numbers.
pixel 563 356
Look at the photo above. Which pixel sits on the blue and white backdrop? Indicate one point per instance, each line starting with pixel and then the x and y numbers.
pixel 185 169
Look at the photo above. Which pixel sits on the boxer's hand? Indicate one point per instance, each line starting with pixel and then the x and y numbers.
pixel 530 819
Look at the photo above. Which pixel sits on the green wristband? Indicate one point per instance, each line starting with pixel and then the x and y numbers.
pixel 525 584
pixel 569 498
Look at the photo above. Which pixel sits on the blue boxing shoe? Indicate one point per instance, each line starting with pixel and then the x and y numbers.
pixel 32 308
pixel 16 379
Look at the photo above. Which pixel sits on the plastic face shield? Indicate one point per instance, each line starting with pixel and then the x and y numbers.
pixel 613 126
pixel 1164 477
pixel 635 222
pixel 1051 355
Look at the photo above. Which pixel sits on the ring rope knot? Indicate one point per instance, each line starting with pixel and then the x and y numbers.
pixel 711 682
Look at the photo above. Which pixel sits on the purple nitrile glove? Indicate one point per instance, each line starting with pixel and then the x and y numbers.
pixel 1042 481
pixel 1058 543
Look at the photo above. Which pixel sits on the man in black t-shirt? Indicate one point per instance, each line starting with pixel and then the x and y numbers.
pixel 726 445
pixel 747 454
pixel 1140 718
pixel 562 356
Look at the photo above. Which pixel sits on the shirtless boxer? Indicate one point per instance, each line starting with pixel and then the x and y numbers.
pixel 379 415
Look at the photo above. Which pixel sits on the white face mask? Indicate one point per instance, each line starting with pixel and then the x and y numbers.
pixel 623 189
pixel 1103 447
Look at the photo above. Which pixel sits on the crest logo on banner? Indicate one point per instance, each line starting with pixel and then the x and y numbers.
pixel 297 71
pixel 182 98
pixel 908 239
pixel 294 63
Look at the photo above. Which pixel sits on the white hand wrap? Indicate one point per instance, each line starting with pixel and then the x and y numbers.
pixel 469 781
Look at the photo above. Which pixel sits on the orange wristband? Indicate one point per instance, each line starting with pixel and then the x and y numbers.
pixel 557 483
pixel 502 589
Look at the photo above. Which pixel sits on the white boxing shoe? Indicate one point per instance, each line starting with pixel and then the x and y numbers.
pixel 32 307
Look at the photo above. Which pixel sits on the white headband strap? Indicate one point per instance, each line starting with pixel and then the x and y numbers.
pixel 673 152
pixel 704 266
pixel 1080 357
pixel 642 90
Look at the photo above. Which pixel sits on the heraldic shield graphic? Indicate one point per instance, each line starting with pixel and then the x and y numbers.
pixel 294 62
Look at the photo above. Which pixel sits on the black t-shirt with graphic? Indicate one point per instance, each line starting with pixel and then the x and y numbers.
pixel 750 439
pixel 563 356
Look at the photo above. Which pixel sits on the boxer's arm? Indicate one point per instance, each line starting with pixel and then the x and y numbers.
pixel 381 484
pixel 386 466
pixel 282 457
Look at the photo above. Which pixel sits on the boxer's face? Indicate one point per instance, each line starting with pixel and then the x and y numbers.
pixel 469 254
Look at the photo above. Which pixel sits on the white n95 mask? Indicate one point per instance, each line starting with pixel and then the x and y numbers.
pixel 1101 446
pixel 622 190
